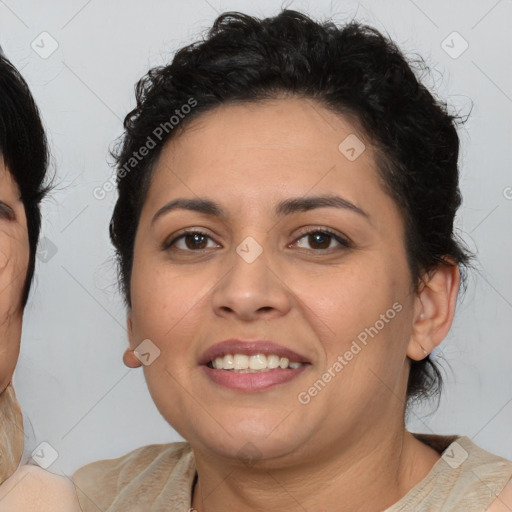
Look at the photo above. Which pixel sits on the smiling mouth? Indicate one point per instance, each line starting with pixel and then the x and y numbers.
pixel 251 366
pixel 257 363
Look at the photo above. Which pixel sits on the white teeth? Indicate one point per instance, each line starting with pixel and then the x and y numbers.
pixel 273 361
pixel 283 363
pixel 241 362
pixel 257 362
pixel 254 363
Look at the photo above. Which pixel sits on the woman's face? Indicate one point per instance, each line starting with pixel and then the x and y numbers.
pixel 14 258
pixel 256 274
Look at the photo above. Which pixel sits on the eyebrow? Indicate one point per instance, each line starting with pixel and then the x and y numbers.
pixel 287 207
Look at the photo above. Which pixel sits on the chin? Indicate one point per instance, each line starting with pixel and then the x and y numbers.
pixel 263 452
pixel 249 440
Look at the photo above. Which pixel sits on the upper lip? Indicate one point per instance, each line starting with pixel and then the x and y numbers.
pixel 250 348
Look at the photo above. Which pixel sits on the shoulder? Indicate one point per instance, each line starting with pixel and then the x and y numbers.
pixel 479 476
pixel 503 502
pixel 125 468
pixel 466 477
pixel 101 483
pixel 33 488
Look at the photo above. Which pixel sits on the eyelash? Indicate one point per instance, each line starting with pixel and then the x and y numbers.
pixel 344 243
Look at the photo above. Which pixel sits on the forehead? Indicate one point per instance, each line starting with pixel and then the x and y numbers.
pixel 292 144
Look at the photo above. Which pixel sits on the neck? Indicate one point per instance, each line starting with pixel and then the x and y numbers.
pixel 352 478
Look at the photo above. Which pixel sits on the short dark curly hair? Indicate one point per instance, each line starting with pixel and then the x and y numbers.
pixel 352 70
pixel 24 148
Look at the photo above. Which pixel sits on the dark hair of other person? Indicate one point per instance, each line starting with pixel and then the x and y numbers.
pixel 24 148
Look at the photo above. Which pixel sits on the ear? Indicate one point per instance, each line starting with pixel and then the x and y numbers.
pixel 434 310
pixel 129 329
pixel 129 357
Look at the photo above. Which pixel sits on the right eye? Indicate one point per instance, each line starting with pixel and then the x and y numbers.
pixel 193 241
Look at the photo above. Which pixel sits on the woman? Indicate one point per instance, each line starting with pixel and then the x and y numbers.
pixel 284 229
pixel 23 166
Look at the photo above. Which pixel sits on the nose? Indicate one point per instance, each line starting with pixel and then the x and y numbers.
pixel 251 290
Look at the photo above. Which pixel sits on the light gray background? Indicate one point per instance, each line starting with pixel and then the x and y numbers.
pixel 70 379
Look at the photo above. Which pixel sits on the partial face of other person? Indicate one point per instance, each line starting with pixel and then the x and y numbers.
pixel 14 257
pixel 311 280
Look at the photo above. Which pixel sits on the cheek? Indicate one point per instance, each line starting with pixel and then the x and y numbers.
pixel 165 310
pixel 9 357
pixel 14 257
pixel 349 298
pixel 364 310
pixel 164 301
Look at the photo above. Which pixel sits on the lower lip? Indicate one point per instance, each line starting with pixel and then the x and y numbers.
pixel 253 381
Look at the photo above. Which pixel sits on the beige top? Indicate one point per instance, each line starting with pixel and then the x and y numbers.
pixel 27 488
pixel 160 477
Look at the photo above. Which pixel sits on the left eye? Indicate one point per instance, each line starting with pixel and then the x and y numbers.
pixel 322 239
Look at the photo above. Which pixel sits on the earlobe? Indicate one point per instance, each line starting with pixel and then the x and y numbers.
pixel 434 310
pixel 130 359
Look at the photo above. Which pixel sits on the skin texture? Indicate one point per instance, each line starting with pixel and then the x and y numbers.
pixel 34 489
pixel 14 255
pixel 503 502
pixel 296 293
